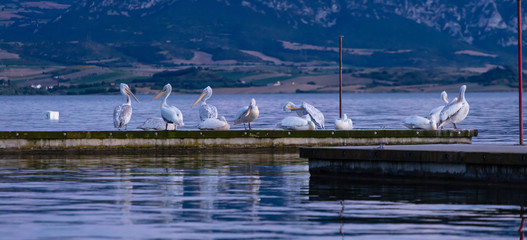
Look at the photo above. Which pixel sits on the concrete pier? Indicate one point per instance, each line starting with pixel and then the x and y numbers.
pixel 487 163
pixel 234 140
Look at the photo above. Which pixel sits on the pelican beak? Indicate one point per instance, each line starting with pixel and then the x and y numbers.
pixel 199 98
pixel 249 110
pixel 127 91
pixel 294 109
pixel 158 95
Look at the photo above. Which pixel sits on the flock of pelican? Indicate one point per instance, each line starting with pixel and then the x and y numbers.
pixel 308 117
pixel 439 117
pixel 172 117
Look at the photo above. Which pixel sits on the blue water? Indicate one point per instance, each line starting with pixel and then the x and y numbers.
pixel 242 196
pixel 239 196
pixel 495 115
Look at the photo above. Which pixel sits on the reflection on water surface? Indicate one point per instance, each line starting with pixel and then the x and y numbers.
pixel 230 196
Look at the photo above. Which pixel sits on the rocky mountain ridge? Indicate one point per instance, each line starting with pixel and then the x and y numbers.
pixel 172 29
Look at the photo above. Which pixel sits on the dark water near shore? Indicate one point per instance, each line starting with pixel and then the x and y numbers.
pixel 240 196
pixel 243 196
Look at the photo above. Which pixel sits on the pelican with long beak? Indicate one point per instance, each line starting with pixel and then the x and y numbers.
pixel 123 113
pixel 306 109
pixel 247 114
pixel 206 110
pixel 456 111
pixel 170 114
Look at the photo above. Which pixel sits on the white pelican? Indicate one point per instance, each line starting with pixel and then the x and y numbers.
pixel 214 124
pixel 306 109
pixel 297 123
pixel 455 111
pixel 156 123
pixel 343 123
pixel 418 122
pixel 123 112
pixel 206 110
pixel 434 113
pixel 247 114
pixel 170 114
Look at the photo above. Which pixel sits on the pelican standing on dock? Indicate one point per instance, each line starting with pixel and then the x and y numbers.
pixel 123 113
pixel 247 114
pixel 343 123
pixel 456 111
pixel 206 110
pixel 297 123
pixel 306 109
pixel 170 114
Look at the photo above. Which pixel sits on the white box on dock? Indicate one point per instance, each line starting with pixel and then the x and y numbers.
pixel 52 115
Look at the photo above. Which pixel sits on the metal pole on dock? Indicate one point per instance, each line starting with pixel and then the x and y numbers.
pixel 340 76
pixel 520 85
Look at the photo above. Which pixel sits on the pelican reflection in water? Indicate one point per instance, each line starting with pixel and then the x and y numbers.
pixel 170 114
pixel 123 113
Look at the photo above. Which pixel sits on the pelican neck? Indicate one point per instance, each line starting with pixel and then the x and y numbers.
pixel 128 100
pixel 164 103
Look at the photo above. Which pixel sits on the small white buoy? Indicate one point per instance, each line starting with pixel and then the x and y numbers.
pixel 52 115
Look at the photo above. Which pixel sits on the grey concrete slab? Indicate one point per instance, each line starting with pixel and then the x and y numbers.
pixel 493 163
pixel 479 148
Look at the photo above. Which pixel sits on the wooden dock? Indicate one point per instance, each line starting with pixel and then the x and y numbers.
pixel 219 141
pixel 487 163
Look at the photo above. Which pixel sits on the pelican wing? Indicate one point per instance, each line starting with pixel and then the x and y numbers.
pixel 122 115
pixel 172 114
pixel 434 114
pixel 449 111
pixel 316 116
pixel 117 116
pixel 240 115
pixel 436 110
pixel 207 111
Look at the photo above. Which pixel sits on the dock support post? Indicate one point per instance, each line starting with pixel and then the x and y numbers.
pixel 520 85
pixel 340 76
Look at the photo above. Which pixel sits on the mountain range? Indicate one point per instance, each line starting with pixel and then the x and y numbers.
pixel 375 33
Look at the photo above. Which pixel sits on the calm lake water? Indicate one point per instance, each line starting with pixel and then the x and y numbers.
pixel 495 115
pixel 242 196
